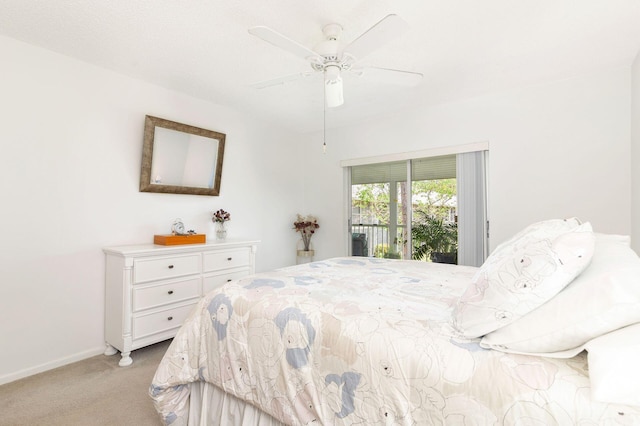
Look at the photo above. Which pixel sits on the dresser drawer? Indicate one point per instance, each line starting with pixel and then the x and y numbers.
pixel 146 325
pixel 226 259
pixel 165 267
pixel 150 296
pixel 214 281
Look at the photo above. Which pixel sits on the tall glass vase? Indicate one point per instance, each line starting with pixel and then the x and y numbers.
pixel 221 231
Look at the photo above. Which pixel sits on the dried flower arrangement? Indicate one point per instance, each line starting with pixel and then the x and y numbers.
pixel 306 226
pixel 221 216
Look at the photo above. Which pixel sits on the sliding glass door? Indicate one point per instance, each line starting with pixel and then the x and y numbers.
pixel 434 209
pixel 377 226
pixel 431 209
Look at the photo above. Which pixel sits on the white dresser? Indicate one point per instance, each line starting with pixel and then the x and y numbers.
pixel 151 289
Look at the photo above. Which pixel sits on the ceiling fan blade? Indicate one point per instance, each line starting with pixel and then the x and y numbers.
pixel 386 75
pixel 387 28
pixel 281 41
pixel 280 80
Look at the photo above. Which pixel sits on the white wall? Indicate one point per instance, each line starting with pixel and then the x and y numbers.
pixel 635 154
pixel 556 150
pixel 71 138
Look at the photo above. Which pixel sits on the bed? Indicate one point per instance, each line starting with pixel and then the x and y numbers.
pixel 366 341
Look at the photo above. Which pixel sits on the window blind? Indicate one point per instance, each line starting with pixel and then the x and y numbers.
pixel 443 167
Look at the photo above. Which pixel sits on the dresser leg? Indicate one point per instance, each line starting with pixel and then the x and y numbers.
pixel 125 360
pixel 110 350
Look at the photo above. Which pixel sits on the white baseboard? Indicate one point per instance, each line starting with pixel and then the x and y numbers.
pixel 11 377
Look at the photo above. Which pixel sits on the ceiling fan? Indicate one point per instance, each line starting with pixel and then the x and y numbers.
pixel 331 56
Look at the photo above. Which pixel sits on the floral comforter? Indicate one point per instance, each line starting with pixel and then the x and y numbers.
pixel 362 341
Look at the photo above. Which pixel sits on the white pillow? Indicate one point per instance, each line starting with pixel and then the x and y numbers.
pixel 614 369
pixel 605 297
pixel 522 274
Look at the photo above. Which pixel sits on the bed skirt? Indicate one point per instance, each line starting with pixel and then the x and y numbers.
pixel 210 405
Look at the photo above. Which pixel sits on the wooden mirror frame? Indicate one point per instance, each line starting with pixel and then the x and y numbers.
pixel 146 185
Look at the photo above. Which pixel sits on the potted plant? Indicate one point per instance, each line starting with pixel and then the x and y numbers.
pixel 383 250
pixel 435 238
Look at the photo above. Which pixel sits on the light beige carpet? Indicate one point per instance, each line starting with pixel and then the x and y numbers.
pixel 95 391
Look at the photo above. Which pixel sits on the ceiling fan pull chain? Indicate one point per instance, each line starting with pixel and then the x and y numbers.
pixel 324 118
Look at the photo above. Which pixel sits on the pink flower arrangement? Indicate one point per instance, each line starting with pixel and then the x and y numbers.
pixel 306 226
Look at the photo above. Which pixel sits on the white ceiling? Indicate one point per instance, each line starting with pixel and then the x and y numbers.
pixel 464 48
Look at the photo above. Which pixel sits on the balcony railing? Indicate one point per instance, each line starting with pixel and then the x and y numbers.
pixel 374 240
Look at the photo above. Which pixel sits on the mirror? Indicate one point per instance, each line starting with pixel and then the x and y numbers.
pixel 180 159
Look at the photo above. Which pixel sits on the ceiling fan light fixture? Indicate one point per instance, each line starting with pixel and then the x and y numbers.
pixel 333 86
pixel 333 92
pixel 331 73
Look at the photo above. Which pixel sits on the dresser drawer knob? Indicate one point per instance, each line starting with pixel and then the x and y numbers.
pixel 170 292
pixel 229 280
pixel 229 258
pixel 170 266
pixel 170 318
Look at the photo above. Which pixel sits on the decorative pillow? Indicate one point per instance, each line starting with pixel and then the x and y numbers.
pixel 523 273
pixel 614 370
pixel 605 297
